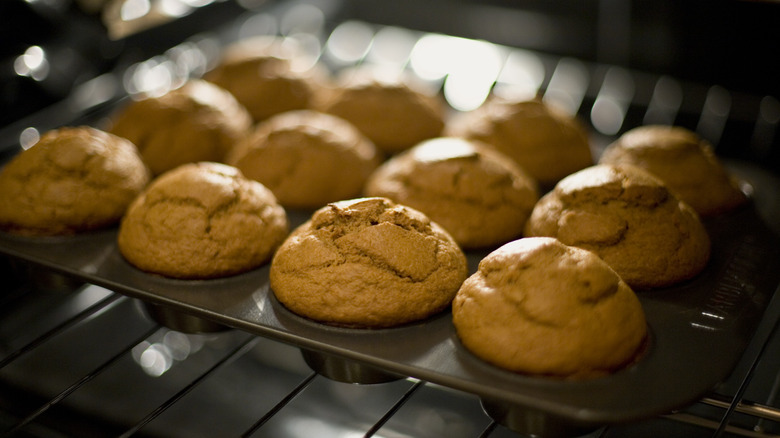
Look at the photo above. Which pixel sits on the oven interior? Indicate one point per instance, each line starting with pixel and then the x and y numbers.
pixel 77 359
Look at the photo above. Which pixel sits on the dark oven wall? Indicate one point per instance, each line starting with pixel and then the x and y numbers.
pixel 732 43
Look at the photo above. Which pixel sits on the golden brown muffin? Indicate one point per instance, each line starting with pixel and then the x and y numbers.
pixel 394 114
pixel 682 160
pixel 307 158
pixel 630 219
pixel 539 307
pixel 202 220
pixel 197 122
pixel 480 196
pixel 367 263
pixel 545 141
pixel 262 73
pixel 74 179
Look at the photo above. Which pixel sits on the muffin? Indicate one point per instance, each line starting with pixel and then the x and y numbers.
pixel 74 179
pixel 395 115
pixel 630 219
pixel 367 263
pixel 544 140
pixel 202 220
pixel 536 306
pixel 480 196
pixel 307 158
pixel 263 75
pixel 685 162
pixel 196 122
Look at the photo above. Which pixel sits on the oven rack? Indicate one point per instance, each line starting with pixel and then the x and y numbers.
pixel 83 312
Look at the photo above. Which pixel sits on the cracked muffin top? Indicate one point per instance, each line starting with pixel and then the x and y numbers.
pixel 74 179
pixel 199 121
pixel 266 75
pixel 685 162
pixel 202 220
pixel 394 114
pixel 368 263
pixel 539 307
pixel 544 140
pixel 480 196
pixel 630 219
pixel 307 158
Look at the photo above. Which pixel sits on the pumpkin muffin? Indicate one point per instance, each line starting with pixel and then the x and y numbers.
pixel 267 76
pixel 74 179
pixel 544 140
pixel 685 162
pixel 480 196
pixel 394 114
pixel 202 220
pixel 307 158
pixel 367 263
pixel 630 219
pixel 536 306
pixel 196 122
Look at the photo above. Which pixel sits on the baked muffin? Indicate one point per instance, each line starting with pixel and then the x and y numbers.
pixel 263 75
pixel 536 306
pixel 367 263
pixel 394 114
pixel 480 196
pixel 630 219
pixel 196 122
pixel 544 140
pixel 202 220
pixel 685 162
pixel 307 158
pixel 74 179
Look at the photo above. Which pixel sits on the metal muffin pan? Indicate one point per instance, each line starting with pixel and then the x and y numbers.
pixel 699 329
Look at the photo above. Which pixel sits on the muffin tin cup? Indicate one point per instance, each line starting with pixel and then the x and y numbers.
pixel 533 422
pixel 42 277
pixel 45 279
pixel 345 370
pixel 180 321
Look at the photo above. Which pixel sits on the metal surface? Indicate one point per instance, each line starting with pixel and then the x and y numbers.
pixel 78 361
pixel 173 384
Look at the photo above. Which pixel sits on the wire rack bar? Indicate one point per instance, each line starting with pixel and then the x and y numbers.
pixel 771 398
pixel 237 352
pixel 488 429
pixel 278 407
pixel 60 328
pixel 81 382
pixel 711 424
pixel 743 407
pixel 738 396
pixel 389 414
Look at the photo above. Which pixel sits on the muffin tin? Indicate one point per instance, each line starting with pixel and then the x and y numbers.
pixel 699 329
